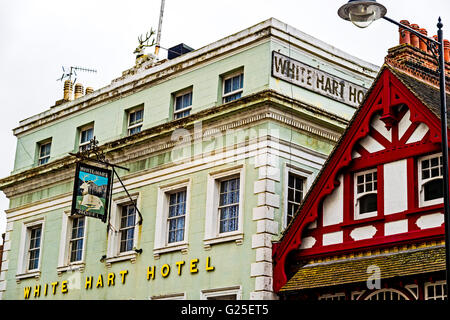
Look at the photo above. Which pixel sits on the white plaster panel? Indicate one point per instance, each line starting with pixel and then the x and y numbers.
pixel 419 133
pixel 404 124
pixel 430 221
pixel 371 145
pixel 379 126
pixel 308 243
pixel 332 238
pixel 396 227
pixel 395 187
pixel 312 225
pixel 355 154
pixel 333 205
pixel 362 233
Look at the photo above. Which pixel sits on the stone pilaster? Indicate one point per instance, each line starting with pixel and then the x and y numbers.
pixel 263 214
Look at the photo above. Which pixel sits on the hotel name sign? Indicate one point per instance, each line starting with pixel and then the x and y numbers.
pixel 88 282
pixel 313 79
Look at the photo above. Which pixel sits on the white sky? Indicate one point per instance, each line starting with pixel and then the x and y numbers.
pixel 38 37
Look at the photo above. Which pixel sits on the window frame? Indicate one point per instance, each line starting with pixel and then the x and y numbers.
pixel 173 296
pixel 64 263
pixel 441 283
pixel 421 182
pixel 23 270
pixel 162 244
pixel 227 76
pixel 123 230
pixel 220 292
pixel 339 296
pixel 358 196
pixel 181 94
pixel 138 124
pixel 307 180
pixel 113 251
pixel 47 156
pixel 212 218
pixel 82 146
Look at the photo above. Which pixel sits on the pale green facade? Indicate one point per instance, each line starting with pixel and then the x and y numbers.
pixel 273 129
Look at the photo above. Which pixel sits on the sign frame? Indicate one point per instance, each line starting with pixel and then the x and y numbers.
pixel 308 77
pixel 92 201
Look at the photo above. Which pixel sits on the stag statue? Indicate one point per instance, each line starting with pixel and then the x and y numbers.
pixel 144 43
pixel 90 201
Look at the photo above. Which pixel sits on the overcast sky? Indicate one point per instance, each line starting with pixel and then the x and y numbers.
pixel 37 38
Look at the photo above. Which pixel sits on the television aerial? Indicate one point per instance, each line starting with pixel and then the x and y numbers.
pixel 72 71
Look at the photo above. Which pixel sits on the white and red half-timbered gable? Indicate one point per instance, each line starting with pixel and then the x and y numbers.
pixel 379 191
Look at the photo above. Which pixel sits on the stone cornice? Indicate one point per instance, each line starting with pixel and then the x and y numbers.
pixel 242 113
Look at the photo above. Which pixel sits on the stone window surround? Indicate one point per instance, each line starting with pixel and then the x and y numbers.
pixel 64 263
pixel 22 269
pixel 162 210
pixel 113 254
pixel 212 235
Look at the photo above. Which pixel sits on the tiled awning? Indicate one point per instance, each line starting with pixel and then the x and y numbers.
pixel 404 263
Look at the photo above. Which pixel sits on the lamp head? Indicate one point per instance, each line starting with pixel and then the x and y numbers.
pixel 362 12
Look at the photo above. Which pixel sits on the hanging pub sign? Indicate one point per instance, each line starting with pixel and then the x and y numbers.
pixel 91 191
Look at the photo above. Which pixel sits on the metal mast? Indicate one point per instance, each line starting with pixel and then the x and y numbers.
pixel 158 36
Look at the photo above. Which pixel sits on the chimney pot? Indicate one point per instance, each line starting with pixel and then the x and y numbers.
pixel 414 38
pixel 447 51
pixel 89 90
pixel 422 44
pixel 404 34
pixel 78 90
pixel 68 88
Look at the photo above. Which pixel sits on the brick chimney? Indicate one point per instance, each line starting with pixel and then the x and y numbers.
pixel 413 56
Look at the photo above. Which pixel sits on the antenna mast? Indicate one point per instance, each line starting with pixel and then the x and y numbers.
pixel 73 71
pixel 158 36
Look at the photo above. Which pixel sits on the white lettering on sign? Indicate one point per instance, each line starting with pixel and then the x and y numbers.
pixel 313 79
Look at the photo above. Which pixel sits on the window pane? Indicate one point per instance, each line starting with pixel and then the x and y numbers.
pixel 360 179
pixel 34 248
pixel 176 219
pixel 434 162
pixel 368 203
pixel 433 189
pixel 435 172
pixel 236 83
pixel 127 224
pixel 233 97
pixel 228 87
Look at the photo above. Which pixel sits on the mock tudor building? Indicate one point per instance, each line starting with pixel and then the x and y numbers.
pixel 215 147
pixel 372 225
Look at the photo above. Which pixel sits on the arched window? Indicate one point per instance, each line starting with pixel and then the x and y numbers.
pixel 387 295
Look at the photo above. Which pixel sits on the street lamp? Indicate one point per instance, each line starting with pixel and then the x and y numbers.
pixel 362 13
